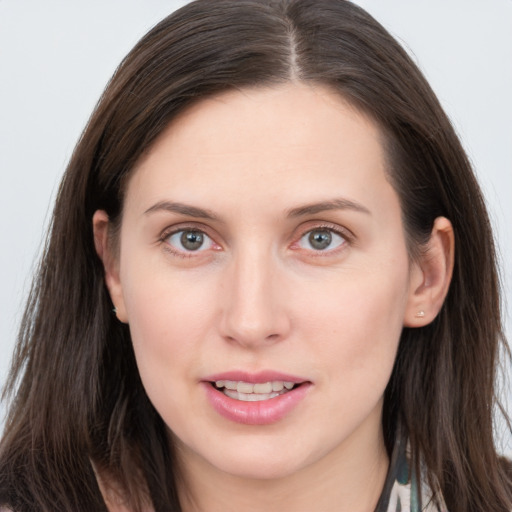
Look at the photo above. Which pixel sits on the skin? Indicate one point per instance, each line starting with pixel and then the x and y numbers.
pixel 257 295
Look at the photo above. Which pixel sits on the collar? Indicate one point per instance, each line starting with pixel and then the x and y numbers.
pixel 403 490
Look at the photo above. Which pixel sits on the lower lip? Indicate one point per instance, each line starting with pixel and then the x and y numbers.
pixel 263 412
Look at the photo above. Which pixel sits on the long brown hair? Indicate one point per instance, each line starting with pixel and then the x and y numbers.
pixel 77 396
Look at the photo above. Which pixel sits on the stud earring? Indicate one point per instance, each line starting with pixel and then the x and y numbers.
pixel 420 314
pixel 114 310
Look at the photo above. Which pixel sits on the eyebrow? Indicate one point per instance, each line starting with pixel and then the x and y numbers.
pixel 332 204
pixel 181 208
pixel 310 209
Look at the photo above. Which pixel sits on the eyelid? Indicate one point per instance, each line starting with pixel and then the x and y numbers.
pixel 341 231
pixel 177 228
pixel 184 226
pixel 305 228
pixel 206 242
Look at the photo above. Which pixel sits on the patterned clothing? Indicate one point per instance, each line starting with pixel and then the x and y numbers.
pixel 402 492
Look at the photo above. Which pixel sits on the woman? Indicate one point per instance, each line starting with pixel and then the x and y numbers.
pixel 269 284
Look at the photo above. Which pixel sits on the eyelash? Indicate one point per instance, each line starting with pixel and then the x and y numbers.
pixel 343 233
pixel 347 239
pixel 164 237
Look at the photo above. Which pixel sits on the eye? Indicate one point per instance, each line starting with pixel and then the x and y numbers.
pixel 321 239
pixel 189 240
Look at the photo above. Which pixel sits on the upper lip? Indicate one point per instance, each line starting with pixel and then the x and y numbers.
pixel 255 378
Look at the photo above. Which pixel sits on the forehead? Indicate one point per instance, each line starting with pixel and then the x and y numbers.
pixel 295 111
pixel 300 140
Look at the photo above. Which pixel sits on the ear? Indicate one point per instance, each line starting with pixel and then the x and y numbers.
pixel 431 275
pixel 100 224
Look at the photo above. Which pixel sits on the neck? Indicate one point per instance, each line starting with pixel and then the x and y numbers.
pixel 350 478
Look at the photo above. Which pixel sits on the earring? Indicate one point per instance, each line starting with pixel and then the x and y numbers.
pixel 114 310
pixel 420 314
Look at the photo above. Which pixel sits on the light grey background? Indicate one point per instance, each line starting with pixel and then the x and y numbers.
pixel 56 56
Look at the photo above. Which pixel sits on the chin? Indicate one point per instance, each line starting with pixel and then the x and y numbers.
pixel 264 458
pixel 259 468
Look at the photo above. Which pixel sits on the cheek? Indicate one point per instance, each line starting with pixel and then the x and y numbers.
pixel 357 323
pixel 168 320
pixel 353 335
pixel 168 326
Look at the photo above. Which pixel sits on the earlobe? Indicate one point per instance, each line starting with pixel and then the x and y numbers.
pixel 100 222
pixel 431 275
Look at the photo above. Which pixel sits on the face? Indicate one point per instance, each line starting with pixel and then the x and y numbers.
pixel 262 249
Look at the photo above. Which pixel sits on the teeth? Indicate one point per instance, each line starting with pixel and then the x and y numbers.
pixel 260 391
pixel 245 387
pixel 277 385
pixel 251 397
pixel 229 384
pixel 263 388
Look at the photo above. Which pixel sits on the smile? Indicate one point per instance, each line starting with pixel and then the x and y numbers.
pixel 255 399
pixel 249 392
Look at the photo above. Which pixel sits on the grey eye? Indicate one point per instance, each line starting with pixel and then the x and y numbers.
pixel 190 240
pixel 321 239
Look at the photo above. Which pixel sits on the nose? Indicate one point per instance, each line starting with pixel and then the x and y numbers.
pixel 254 312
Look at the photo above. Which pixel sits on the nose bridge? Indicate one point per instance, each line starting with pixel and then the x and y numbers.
pixel 253 312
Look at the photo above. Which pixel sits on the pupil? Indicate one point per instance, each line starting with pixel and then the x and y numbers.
pixel 192 240
pixel 320 239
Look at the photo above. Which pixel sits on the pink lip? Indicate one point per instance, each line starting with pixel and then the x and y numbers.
pixel 253 378
pixel 263 412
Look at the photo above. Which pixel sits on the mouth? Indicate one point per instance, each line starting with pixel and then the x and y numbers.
pixel 258 398
pixel 254 392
